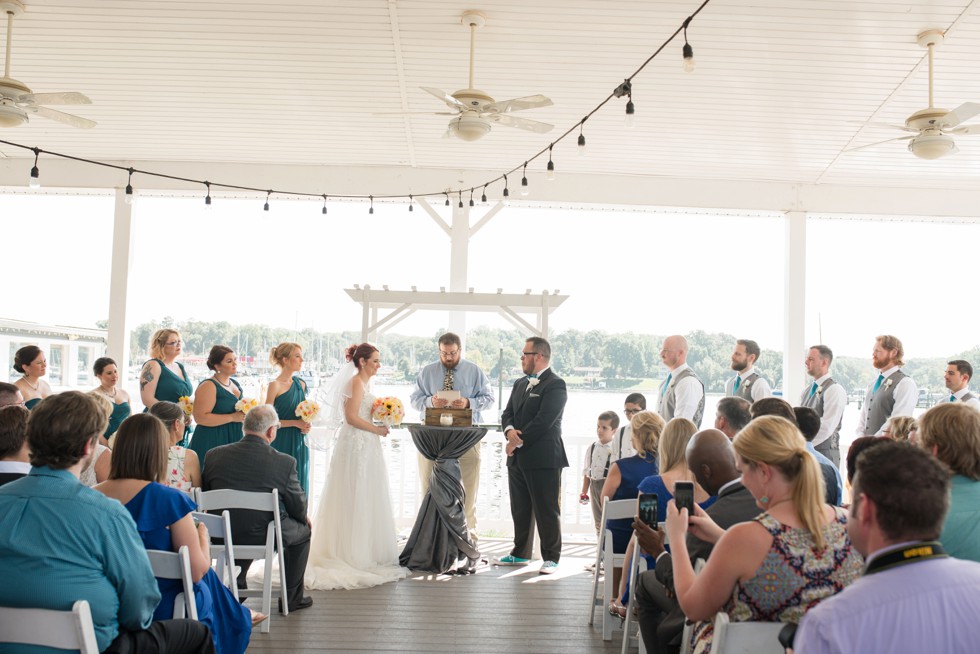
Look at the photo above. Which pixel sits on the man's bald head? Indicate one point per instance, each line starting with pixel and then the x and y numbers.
pixel 711 458
pixel 674 351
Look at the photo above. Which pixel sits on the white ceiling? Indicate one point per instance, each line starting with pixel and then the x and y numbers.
pixel 780 91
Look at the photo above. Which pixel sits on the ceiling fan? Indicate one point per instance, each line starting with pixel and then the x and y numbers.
pixel 933 128
pixel 474 112
pixel 17 101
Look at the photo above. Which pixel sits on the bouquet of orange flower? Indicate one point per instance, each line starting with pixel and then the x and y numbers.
pixel 307 410
pixel 388 411
pixel 187 404
pixel 246 404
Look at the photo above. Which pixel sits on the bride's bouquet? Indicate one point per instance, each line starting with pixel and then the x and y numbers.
pixel 388 411
pixel 246 404
pixel 307 411
pixel 187 404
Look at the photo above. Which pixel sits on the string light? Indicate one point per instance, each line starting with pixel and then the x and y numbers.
pixel 411 207
pixel 687 50
pixel 207 196
pixel 35 179
pixel 129 188
pixel 447 199
pixel 324 210
pixel 506 190
pixel 267 195
pixel 483 198
pixel 472 204
pixel 550 175
pixel 461 199
pixel 524 189
pixel 581 138
pixel 371 209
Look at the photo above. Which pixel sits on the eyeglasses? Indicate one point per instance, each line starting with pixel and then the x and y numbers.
pixel 443 353
pixel 527 354
pixel 631 412
pixel 174 342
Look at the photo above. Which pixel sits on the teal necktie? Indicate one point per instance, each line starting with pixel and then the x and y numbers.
pixel 952 398
pixel 738 382
pixel 663 390
pixel 880 379
pixel 813 390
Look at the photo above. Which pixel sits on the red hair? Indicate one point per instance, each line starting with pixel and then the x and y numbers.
pixel 357 352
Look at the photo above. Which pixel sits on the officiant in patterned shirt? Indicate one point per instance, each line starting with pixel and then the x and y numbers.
pixel 453 373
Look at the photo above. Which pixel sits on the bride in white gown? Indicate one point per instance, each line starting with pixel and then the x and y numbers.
pixel 354 544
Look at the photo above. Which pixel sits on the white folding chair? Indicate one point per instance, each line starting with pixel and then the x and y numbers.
pixel 745 637
pixel 638 564
pixel 219 526
pixel 71 630
pixel 176 565
pixel 607 560
pixel 688 625
pixel 217 500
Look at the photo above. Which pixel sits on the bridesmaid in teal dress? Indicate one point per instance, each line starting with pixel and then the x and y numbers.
pixel 163 377
pixel 218 421
pixel 30 362
pixel 107 372
pixel 285 392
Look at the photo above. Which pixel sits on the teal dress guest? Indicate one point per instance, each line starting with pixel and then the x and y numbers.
pixel 120 412
pixel 30 404
pixel 107 372
pixel 290 439
pixel 206 438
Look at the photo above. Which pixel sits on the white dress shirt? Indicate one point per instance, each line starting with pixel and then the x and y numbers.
pixel 974 401
pixel 906 397
pixel 834 403
pixel 687 394
pixel 760 387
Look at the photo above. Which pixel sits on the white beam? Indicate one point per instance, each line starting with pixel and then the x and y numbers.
pixel 422 202
pixel 520 322
pixel 493 211
pixel 122 258
pixel 794 322
pixel 459 248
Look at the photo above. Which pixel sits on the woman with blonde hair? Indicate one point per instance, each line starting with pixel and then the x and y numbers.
pixel 163 377
pixel 285 393
pixel 796 553
pixel 898 428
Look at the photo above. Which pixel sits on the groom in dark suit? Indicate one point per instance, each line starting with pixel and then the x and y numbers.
pixel 535 456
pixel 253 465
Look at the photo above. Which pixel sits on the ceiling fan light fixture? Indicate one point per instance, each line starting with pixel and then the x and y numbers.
pixel 932 146
pixel 469 128
pixel 11 116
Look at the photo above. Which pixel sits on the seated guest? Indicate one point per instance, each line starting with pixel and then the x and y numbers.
pixel 61 541
pixel 859 445
pixel 912 597
pixel 898 428
pixel 97 471
pixel 14 459
pixel 253 465
pixel 183 466
pixel 711 458
pixel 163 519
pixel 809 423
pixel 673 460
pixel 779 565
pixel 31 362
pixel 10 394
pixel 951 431
pixel 731 415
pixel 107 372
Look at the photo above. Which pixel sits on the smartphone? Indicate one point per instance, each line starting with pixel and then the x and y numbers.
pixel 684 496
pixel 646 508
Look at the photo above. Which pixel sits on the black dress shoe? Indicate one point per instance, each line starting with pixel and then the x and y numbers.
pixel 304 603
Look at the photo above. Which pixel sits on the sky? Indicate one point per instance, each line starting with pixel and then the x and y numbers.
pixel 651 271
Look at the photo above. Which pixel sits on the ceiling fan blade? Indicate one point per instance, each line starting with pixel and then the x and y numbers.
pixel 521 123
pixel 62 117
pixel 965 111
pixel 445 97
pixel 414 113
pixel 871 145
pixel 904 128
pixel 68 97
pixel 966 129
pixel 519 104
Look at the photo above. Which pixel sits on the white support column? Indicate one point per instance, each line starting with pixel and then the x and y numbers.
pixel 365 314
pixel 122 259
pixel 459 244
pixel 794 324
pixel 543 316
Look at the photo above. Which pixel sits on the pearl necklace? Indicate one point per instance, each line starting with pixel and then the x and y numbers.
pixel 228 385
pixel 107 393
pixel 33 388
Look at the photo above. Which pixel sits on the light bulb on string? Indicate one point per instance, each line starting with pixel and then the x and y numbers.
pixel 630 113
pixel 324 210
pixel 687 51
pixel 472 203
pixel 550 174
pixel 207 196
pixel 460 199
pixel 266 206
pixel 506 190
pixel 411 207
pixel 447 199
pixel 371 208
pixel 581 139
pixel 35 178
pixel 483 198
pixel 524 189
pixel 129 188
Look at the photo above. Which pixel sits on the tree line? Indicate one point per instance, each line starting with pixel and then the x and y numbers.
pixel 586 358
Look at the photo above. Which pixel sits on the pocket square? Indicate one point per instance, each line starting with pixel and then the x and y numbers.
pixel 534 395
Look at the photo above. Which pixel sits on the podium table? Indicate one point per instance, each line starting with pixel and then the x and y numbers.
pixel 440 537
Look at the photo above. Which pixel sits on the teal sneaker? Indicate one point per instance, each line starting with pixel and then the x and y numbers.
pixel 548 568
pixel 512 560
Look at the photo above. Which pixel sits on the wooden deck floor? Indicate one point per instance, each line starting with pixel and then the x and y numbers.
pixel 502 610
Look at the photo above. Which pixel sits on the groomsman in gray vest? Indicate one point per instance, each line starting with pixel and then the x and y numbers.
pixel 828 398
pixel 747 383
pixel 682 393
pixel 958 375
pixel 892 393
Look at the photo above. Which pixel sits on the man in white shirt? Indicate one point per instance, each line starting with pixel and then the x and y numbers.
pixel 892 393
pixel 747 383
pixel 828 398
pixel 958 375
pixel 682 393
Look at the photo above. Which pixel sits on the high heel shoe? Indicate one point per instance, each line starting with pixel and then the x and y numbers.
pixel 616 609
pixel 258 618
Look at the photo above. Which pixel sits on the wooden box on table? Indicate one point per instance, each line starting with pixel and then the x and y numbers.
pixel 461 417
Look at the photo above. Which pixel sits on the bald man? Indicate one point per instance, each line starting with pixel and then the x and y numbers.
pixel 711 458
pixel 682 393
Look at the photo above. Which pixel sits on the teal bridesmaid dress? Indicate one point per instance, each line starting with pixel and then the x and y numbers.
pixel 120 412
pixel 206 438
pixel 290 439
pixel 170 388
pixel 30 404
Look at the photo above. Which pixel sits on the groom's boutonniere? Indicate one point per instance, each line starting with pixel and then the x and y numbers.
pixel 819 390
pixel 533 381
pixel 747 383
pixel 888 382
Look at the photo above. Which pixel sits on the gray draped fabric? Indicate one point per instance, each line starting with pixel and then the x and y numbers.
pixel 439 537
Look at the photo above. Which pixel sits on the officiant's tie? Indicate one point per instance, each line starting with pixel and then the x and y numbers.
pixel 447 382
